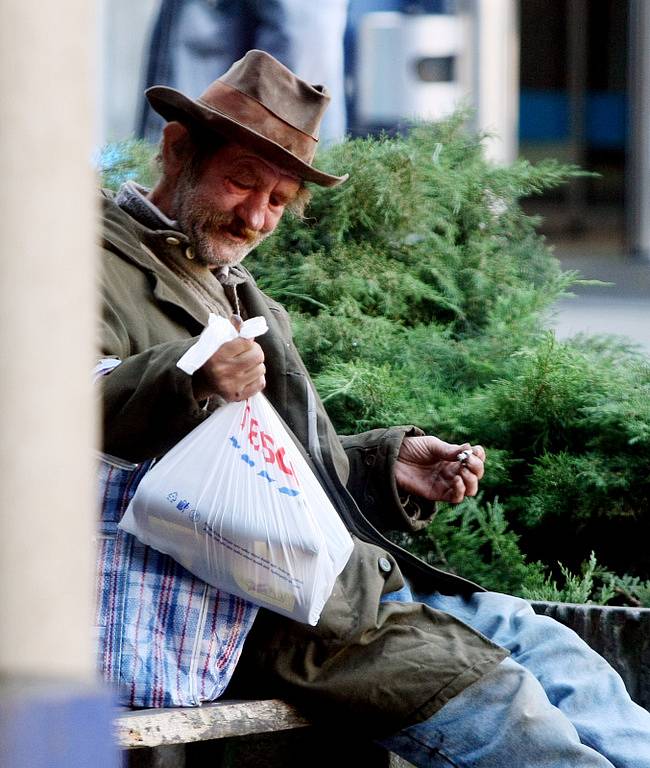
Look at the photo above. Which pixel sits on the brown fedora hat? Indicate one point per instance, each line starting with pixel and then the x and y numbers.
pixel 260 103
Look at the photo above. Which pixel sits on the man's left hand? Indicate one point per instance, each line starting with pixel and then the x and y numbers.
pixel 429 467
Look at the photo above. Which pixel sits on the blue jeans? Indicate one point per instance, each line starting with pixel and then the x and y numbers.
pixel 555 703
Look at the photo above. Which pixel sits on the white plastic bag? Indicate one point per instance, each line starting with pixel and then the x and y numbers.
pixel 237 505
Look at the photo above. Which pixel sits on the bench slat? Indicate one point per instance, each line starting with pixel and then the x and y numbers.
pixel 155 727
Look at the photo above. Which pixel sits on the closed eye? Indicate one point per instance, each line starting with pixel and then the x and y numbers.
pixel 239 184
pixel 279 201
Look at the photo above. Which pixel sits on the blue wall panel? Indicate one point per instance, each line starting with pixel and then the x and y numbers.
pixel 544 116
pixel 56 726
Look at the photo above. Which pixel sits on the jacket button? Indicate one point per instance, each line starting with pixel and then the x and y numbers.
pixel 172 241
pixel 189 253
pixel 385 565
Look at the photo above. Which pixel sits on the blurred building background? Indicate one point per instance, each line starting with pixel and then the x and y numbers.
pixel 568 79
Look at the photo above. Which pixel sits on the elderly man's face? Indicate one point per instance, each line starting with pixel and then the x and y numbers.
pixel 232 203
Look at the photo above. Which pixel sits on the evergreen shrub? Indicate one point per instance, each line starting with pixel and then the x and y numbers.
pixel 420 293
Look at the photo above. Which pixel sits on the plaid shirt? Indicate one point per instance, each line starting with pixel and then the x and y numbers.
pixel 165 638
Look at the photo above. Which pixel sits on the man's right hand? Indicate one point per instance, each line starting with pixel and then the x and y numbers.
pixel 235 372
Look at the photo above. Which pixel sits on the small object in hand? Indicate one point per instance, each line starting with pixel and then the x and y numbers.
pixel 463 456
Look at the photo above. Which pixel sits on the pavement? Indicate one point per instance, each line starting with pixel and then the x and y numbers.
pixel 622 308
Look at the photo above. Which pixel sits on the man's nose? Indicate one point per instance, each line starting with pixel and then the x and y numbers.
pixel 252 210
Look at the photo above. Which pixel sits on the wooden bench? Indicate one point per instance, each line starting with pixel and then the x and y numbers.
pixel 239 734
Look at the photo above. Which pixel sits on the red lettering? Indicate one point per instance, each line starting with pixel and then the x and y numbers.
pixel 254 434
pixel 247 411
pixel 280 457
pixel 267 446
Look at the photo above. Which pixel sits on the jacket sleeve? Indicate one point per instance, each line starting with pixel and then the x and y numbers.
pixel 148 403
pixel 372 456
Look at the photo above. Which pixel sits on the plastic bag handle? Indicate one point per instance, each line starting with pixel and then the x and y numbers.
pixel 218 332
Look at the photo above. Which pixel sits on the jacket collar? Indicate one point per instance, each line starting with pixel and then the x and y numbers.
pixel 133 198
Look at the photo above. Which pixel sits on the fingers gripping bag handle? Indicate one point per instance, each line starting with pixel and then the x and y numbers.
pixel 236 504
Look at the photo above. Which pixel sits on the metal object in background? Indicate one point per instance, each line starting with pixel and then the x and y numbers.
pixel 638 163
pixel 410 67
pixel 424 66
pixel 577 54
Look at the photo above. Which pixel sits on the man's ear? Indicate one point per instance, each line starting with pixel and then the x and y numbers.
pixel 174 148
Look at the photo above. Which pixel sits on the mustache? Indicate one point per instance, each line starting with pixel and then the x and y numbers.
pixel 218 221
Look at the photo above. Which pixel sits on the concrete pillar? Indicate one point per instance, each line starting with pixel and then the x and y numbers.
pixel 51 712
pixel 638 156
pixel 496 74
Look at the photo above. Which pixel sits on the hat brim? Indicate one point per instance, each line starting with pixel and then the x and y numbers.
pixel 175 106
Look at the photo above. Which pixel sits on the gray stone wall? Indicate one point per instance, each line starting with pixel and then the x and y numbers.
pixel 621 635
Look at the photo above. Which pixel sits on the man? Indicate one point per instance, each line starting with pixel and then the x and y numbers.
pixel 411 655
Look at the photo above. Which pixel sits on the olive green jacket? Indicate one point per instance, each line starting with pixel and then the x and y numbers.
pixel 379 665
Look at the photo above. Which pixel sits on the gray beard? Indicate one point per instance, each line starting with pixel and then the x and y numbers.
pixel 205 248
pixel 204 230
